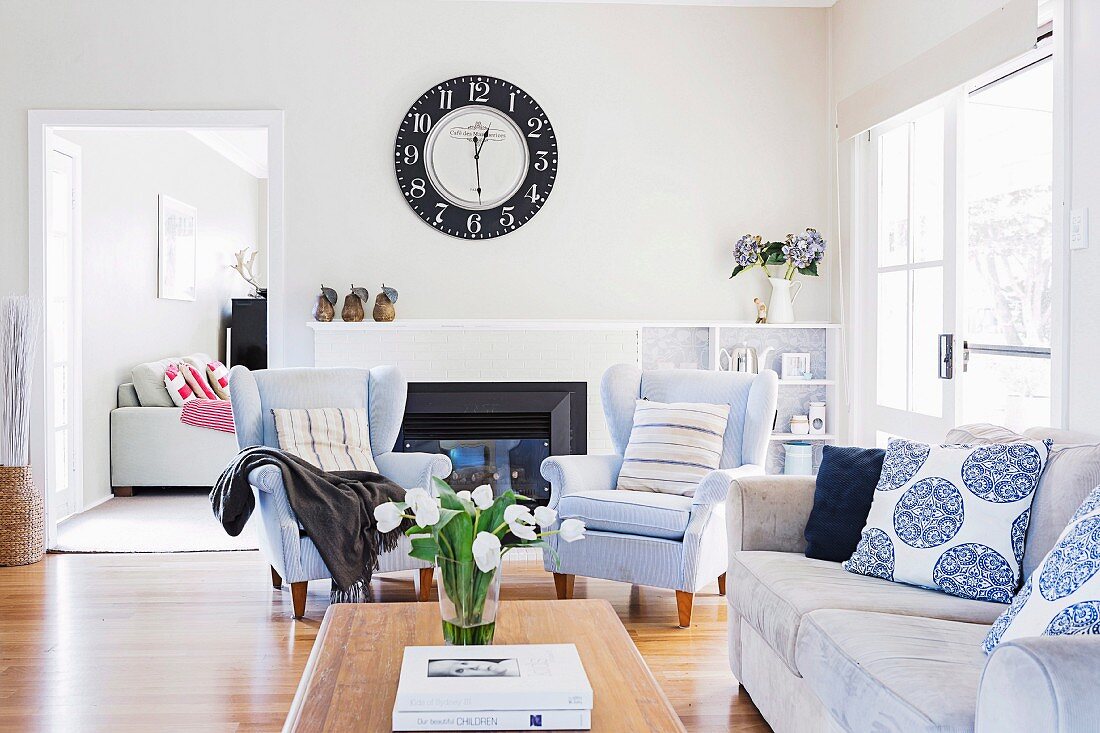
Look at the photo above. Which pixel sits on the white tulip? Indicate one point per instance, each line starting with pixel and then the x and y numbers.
pixel 545 516
pixel 572 530
pixel 520 522
pixel 483 496
pixel 426 514
pixel 388 517
pixel 424 506
pixel 486 549
pixel 464 495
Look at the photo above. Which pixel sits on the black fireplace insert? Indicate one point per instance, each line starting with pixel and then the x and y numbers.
pixel 496 433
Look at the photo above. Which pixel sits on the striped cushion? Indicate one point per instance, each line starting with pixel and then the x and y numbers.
pixel 331 438
pixel 673 446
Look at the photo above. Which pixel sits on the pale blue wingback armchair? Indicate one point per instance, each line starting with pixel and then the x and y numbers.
pixel 661 540
pixel 382 391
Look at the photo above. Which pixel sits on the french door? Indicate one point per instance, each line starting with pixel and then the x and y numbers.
pixel 955 287
pixel 64 478
pixel 908 276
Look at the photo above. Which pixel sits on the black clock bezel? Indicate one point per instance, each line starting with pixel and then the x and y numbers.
pixel 505 98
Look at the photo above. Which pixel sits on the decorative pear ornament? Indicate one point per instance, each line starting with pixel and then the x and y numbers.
pixel 325 309
pixel 354 309
pixel 383 305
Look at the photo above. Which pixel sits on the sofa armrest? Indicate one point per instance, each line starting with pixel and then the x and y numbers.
pixel 267 478
pixel 769 512
pixel 1045 683
pixel 715 486
pixel 412 470
pixel 568 474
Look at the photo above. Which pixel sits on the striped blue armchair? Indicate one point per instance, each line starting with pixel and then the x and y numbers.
pixel 644 538
pixel 292 556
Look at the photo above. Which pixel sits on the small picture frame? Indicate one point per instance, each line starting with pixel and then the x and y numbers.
pixel 795 365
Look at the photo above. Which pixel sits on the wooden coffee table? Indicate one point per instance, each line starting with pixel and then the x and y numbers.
pixel 350 680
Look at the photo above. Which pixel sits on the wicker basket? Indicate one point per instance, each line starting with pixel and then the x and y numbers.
pixel 22 518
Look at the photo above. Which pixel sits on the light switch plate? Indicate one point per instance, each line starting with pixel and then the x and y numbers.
pixel 1079 229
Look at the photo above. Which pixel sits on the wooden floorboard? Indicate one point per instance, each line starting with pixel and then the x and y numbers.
pixel 202 642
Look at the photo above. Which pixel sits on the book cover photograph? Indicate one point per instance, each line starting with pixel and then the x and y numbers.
pixel 528 677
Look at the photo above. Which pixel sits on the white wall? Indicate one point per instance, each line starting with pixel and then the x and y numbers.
pixel 680 128
pixel 1083 337
pixel 124 323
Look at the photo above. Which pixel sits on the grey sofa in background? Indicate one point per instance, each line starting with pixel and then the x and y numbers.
pixel 151 447
pixel 820 649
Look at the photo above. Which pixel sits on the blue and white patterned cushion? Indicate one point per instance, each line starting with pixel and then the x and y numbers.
pixel 1062 596
pixel 952 517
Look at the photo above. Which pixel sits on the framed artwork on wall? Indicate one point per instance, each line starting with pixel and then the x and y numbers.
pixel 795 365
pixel 178 244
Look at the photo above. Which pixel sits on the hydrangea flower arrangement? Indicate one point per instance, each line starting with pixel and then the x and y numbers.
pixel 800 253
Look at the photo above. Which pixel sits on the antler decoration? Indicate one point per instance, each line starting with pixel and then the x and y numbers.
pixel 245 263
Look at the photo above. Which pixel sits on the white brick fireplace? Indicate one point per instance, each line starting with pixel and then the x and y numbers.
pixel 487 351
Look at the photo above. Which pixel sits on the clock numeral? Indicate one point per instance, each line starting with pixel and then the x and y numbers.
pixel 417 188
pixel 506 219
pixel 479 91
pixel 412 154
pixel 536 127
pixel 421 122
pixel 532 193
pixel 474 223
pixel 439 216
pixel 445 98
pixel 512 102
pixel 541 163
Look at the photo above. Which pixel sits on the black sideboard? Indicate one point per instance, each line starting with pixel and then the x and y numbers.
pixel 248 342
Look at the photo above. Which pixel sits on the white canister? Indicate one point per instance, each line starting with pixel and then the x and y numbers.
pixel 800 424
pixel 798 459
pixel 817 418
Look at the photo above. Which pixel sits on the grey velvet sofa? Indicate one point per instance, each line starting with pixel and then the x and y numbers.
pixel 819 649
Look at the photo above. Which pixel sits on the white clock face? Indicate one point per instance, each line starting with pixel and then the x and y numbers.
pixel 476 157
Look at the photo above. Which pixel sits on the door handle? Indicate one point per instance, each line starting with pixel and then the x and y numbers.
pixel 947 356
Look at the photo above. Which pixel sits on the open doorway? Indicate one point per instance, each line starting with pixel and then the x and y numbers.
pixel 153 265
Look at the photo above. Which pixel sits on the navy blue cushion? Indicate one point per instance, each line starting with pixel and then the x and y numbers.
pixel 846 483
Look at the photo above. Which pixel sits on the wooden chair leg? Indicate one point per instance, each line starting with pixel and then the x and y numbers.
pixel 683 607
pixel 563 584
pixel 722 584
pixel 423 583
pixel 298 596
pixel 276 579
pixel 122 490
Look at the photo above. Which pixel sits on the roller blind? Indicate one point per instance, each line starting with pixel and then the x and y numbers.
pixel 995 39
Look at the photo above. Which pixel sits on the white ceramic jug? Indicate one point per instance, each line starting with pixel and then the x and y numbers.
pixel 781 304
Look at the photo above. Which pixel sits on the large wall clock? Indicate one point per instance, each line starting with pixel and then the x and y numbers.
pixel 476 157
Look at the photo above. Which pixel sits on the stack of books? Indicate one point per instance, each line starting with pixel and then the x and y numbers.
pixel 521 687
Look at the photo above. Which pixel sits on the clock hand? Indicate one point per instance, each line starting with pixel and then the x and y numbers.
pixel 477 168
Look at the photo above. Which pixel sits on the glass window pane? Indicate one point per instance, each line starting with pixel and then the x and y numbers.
pixel 60 396
pixel 893 197
pixel 927 219
pixel 1006 390
pixel 61 464
pixel 60 204
pixel 927 326
pixel 1009 128
pixel 59 331
pixel 892 334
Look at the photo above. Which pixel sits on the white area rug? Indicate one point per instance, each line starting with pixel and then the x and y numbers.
pixel 154 520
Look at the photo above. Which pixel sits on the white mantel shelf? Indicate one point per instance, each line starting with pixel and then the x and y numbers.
pixel 491 324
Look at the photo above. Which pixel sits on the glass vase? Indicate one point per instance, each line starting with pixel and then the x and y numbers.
pixel 468 601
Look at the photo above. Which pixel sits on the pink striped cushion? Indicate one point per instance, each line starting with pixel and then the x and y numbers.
pixel 178 389
pixel 219 378
pixel 197 382
pixel 212 414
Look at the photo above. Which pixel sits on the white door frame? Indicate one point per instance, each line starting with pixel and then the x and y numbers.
pixel 40 127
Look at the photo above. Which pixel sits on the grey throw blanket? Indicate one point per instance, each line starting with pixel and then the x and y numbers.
pixel 336 508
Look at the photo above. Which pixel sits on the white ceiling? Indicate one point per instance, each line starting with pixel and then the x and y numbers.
pixel 727 3
pixel 245 147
